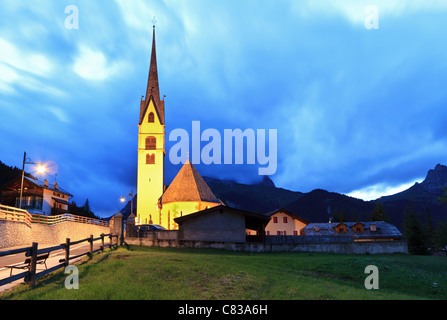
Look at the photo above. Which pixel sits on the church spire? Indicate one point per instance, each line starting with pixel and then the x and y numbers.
pixel 152 83
pixel 153 89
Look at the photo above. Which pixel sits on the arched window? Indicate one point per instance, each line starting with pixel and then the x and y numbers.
pixel 150 159
pixel 151 143
pixel 151 117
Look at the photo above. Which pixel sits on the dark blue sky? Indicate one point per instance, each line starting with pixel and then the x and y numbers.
pixel 358 111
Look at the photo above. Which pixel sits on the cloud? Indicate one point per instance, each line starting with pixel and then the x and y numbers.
pixel 34 63
pixel 60 114
pixel 355 11
pixel 93 65
pixel 355 109
pixel 380 190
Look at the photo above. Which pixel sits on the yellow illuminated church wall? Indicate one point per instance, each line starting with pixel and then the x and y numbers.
pixel 151 153
pixel 173 210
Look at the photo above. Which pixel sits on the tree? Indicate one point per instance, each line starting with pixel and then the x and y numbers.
pixel 440 236
pixel 343 217
pixel 379 213
pixel 339 216
pixel 414 232
pixel 83 211
pixel 86 207
pixel 443 198
pixel 429 230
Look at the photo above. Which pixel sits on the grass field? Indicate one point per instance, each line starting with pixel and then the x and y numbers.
pixel 205 274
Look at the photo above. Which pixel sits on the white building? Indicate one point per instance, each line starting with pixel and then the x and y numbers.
pixel 38 196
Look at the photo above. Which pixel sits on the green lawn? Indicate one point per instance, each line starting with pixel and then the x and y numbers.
pixel 189 274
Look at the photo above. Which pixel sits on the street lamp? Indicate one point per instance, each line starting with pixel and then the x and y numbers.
pixel 123 199
pixel 40 169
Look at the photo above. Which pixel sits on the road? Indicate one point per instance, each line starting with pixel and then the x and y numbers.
pixel 51 261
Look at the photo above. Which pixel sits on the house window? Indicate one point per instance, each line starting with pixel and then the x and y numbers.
pixel 151 117
pixel 267 233
pixel 284 219
pixel 151 143
pixel 275 219
pixel 295 233
pixel 150 159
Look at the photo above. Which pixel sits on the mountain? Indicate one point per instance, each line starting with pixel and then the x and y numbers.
pixel 320 205
pixel 263 197
pixel 422 196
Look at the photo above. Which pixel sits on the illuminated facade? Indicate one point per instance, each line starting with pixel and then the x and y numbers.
pixel 151 147
pixel 188 192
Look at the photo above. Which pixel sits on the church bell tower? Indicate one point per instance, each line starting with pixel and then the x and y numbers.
pixel 151 147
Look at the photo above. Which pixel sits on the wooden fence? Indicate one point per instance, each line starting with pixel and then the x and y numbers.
pixel 20 215
pixel 31 275
pixel 15 214
pixel 52 220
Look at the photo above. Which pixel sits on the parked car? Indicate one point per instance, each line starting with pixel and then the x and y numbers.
pixel 149 227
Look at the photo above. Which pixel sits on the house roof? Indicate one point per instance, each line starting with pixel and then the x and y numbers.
pixel 188 185
pixel 252 220
pixel 383 229
pixel 294 216
pixel 15 183
pixel 50 186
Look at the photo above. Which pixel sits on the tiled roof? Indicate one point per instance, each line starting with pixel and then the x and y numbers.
pixel 188 185
pixel 50 186
pixel 291 214
pixel 382 229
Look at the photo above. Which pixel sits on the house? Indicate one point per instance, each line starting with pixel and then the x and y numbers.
pixel 38 196
pixel 220 223
pixel 360 231
pixel 283 223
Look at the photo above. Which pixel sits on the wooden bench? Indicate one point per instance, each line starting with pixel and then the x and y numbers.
pixel 42 259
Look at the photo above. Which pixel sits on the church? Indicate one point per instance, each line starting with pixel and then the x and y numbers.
pixel 188 192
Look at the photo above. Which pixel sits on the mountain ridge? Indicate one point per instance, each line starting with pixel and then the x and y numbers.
pixel 320 205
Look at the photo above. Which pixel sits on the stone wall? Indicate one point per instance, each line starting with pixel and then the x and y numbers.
pixel 14 234
pixel 364 247
pixel 57 234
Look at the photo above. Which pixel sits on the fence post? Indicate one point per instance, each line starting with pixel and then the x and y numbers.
pixel 110 238
pixel 91 244
pixel 67 252
pixel 32 269
pixel 102 242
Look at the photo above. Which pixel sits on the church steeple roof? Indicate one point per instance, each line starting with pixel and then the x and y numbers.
pixel 153 90
pixel 188 185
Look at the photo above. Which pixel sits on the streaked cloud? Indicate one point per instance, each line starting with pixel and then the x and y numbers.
pixel 356 110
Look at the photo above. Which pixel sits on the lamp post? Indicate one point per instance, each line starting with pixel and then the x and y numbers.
pixel 40 169
pixel 129 228
pixel 123 199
